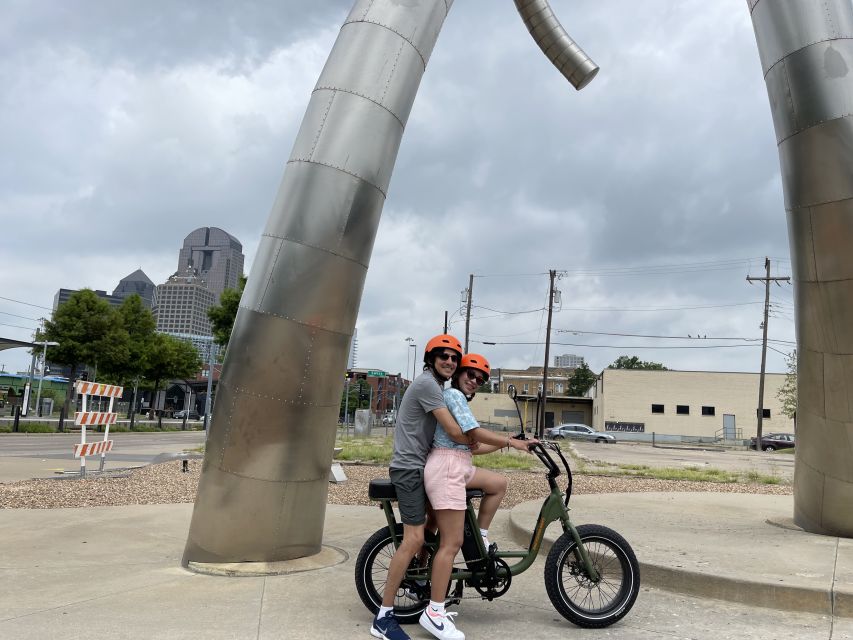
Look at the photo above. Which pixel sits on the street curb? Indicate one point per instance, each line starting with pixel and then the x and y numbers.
pixel 832 602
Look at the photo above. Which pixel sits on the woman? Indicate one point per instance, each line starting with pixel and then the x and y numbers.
pixel 449 471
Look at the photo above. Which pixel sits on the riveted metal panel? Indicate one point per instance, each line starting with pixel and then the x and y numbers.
pixel 811 398
pixel 227 527
pixel 811 86
pixel 384 57
pixel 325 208
pixel 331 299
pixel 808 490
pixel 832 231
pixel 816 164
pixel 838 370
pixel 839 295
pixel 815 332
pixel 418 22
pixel 349 133
pixel 277 442
pixel 295 359
pixel 838 492
pixel 782 27
pixel 801 240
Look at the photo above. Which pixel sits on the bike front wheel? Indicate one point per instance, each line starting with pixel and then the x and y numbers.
pixel 592 604
pixel 371 574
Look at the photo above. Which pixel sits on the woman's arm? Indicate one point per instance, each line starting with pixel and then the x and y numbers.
pixel 491 439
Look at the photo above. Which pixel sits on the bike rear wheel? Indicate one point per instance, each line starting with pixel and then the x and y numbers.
pixel 371 574
pixel 584 602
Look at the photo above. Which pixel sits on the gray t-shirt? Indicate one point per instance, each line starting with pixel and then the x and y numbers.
pixel 415 423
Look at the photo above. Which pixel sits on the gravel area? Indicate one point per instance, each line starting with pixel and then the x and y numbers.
pixel 166 483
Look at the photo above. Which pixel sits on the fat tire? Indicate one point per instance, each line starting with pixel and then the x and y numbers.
pixel 378 548
pixel 617 566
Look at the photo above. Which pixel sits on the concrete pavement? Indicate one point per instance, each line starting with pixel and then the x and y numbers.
pixel 114 572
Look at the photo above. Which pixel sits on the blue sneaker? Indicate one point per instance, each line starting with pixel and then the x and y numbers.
pixel 388 628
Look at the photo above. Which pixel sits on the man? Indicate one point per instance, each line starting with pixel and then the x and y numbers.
pixel 422 408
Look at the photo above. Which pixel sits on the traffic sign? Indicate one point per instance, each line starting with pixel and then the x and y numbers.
pixel 375 373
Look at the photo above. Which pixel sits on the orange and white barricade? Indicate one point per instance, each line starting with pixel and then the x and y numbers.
pixel 86 418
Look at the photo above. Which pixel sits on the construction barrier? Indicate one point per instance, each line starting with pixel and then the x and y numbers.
pixel 85 418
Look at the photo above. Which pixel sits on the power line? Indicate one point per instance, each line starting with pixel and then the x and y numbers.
pixel 29 304
pixel 686 308
pixel 688 337
pixel 14 315
pixel 3 324
pixel 622 346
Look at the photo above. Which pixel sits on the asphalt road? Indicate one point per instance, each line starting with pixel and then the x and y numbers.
pixel 33 455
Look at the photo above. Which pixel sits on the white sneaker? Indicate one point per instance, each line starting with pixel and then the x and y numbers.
pixel 440 625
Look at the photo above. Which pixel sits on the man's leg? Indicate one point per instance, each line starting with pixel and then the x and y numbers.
pixel 413 540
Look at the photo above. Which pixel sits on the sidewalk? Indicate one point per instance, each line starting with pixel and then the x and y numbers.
pixel 114 572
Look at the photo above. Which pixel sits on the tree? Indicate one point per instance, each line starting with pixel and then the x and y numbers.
pixel 170 358
pixel 139 323
pixel 787 393
pixel 222 315
pixel 582 379
pixel 89 332
pixel 633 362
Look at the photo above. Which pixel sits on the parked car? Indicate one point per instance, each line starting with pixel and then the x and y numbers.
pixel 191 414
pixel 578 432
pixel 773 441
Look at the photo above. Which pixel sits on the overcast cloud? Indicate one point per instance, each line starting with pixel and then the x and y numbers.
pixel 125 126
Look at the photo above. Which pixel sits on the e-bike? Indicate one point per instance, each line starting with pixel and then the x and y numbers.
pixel 591 573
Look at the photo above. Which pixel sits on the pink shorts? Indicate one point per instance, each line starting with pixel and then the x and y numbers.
pixel 446 473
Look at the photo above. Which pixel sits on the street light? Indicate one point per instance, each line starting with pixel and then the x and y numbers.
pixel 414 359
pixel 45 345
pixel 406 370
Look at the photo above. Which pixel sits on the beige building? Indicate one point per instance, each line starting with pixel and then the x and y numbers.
pixel 497 410
pixel 694 404
pixel 527 381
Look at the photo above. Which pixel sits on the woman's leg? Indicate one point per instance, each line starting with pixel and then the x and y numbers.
pixel 450 529
pixel 494 485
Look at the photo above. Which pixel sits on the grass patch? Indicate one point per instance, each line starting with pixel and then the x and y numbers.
pixel 365 450
pixel 379 452
pixel 29 427
pixel 510 461
pixel 691 473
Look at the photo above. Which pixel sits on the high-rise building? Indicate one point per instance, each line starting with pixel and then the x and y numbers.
pixel 180 306
pixel 138 283
pixel 213 255
pixel 61 297
pixel 568 360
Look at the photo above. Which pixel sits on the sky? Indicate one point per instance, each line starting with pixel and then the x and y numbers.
pixel 653 192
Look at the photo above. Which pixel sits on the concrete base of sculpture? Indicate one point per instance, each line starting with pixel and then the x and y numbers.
pixel 328 557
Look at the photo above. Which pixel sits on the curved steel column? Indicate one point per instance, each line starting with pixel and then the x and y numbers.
pixel 555 43
pixel 806 50
pixel 262 493
pixel 264 481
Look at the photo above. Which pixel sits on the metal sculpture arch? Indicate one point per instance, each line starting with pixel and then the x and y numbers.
pixel 262 492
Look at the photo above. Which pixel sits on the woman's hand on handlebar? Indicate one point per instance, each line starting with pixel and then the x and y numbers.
pixel 522 445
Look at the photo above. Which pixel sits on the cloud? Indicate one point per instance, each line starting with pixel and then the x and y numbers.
pixel 126 126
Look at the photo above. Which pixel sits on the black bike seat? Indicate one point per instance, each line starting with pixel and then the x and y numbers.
pixel 383 489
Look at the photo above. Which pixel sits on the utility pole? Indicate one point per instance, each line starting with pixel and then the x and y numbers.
pixel 468 312
pixel 553 274
pixel 766 280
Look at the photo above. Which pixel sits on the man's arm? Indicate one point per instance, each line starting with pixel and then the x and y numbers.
pixel 450 426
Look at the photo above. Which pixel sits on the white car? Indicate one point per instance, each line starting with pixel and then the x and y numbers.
pixel 578 432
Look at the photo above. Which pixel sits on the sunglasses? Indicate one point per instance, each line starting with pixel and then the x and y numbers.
pixel 473 375
pixel 447 356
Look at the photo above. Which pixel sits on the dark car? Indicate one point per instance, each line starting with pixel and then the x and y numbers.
pixel 578 432
pixel 191 414
pixel 773 441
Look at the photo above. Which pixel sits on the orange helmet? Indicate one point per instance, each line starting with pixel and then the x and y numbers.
pixel 475 361
pixel 444 341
